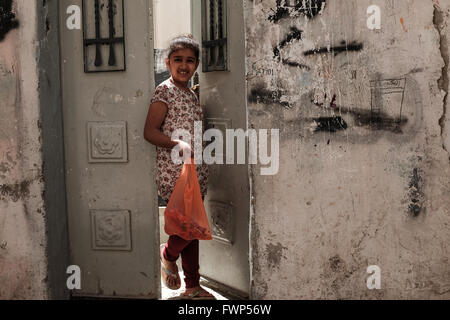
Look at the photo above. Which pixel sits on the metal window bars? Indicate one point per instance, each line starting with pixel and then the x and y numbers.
pixel 214 35
pixel 103 35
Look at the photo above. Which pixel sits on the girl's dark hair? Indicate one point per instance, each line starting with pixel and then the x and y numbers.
pixel 184 42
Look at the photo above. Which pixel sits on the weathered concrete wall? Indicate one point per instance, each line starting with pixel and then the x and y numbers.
pixel 33 236
pixel 23 267
pixel 364 164
pixel 442 23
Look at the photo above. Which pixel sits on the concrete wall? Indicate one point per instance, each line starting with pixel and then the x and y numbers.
pixel 23 267
pixel 364 163
pixel 33 238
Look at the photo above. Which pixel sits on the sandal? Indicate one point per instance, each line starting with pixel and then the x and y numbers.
pixel 166 273
pixel 196 295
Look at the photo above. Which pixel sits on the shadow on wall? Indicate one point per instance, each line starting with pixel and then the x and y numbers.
pixel 7 18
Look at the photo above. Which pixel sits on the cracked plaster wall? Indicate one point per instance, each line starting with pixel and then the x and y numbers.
pixel 364 137
pixel 23 263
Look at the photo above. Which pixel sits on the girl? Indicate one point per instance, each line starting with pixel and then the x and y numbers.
pixel 175 106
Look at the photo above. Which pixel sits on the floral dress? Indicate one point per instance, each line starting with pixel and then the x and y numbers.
pixel 183 109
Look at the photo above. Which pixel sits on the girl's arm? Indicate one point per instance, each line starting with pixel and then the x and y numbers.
pixel 152 131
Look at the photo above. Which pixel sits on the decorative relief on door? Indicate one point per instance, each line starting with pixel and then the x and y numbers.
pixel 107 142
pixel 222 222
pixel 110 230
pixel 103 36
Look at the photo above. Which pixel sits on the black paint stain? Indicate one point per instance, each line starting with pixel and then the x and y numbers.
pixel 330 124
pixel 280 13
pixel 377 121
pixel 7 18
pixel 294 34
pixel 333 102
pixel 259 94
pixel 291 63
pixel 344 47
pixel 415 193
pixel 380 121
pixel 308 8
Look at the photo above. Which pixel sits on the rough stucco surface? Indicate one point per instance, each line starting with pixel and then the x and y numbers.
pixel 364 164
pixel 22 224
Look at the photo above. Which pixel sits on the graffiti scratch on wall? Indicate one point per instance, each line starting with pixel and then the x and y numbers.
pixel 287 8
pixel 7 18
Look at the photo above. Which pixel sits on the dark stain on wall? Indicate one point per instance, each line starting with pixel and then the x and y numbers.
pixel 295 64
pixel 294 34
pixel 7 18
pixel 377 121
pixel 330 124
pixel 259 94
pixel 343 47
pixel 284 8
pixel 415 193
pixel 336 264
pixel 274 254
pixel 15 192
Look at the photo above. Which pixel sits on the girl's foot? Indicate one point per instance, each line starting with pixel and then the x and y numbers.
pixel 169 272
pixel 197 293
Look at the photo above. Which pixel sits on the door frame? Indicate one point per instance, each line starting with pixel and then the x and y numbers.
pixel 53 160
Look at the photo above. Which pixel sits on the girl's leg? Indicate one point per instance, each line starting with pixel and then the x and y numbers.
pixel 189 259
pixel 191 267
pixel 174 246
pixel 169 256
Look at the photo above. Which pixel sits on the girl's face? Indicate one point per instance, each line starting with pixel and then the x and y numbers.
pixel 182 64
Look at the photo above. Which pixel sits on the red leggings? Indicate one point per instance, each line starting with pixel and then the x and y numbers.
pixel 189 258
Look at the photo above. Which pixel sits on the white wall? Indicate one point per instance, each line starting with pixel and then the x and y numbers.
pixel 171 18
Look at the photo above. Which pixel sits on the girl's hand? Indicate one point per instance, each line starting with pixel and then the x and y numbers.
pixel 185 149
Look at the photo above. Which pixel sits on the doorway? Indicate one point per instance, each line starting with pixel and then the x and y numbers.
pixel 224 261
pixel 108 79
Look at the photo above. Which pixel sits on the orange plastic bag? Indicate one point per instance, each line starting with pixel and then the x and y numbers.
pixel 185 214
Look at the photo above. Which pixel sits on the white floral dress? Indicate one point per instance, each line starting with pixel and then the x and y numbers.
pixel 183 109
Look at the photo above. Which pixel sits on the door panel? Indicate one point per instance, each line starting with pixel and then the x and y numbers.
pixel 110 168
pixel 223 94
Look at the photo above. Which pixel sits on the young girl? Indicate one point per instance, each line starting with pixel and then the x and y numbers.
pixel 175 106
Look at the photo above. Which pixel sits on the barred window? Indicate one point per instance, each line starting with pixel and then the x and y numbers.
pixel 214 35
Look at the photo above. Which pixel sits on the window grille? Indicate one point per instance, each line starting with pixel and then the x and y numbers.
pixel 214 35
pixel 103 35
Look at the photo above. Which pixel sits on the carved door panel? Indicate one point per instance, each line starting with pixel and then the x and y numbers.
pixel 225 260
pixel 107 75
